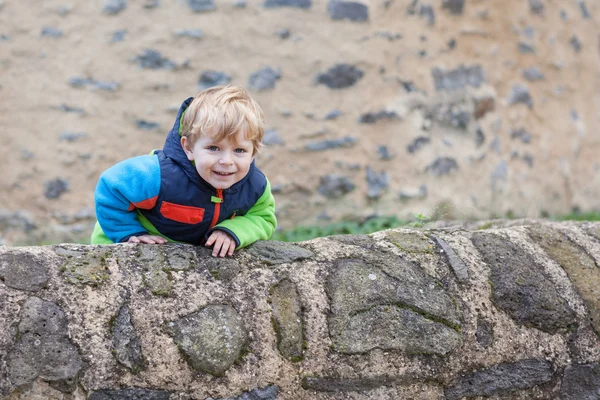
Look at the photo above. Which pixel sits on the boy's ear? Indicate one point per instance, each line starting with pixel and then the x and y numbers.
pixel 185 144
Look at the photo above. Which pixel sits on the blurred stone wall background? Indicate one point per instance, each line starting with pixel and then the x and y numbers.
pixel 456 109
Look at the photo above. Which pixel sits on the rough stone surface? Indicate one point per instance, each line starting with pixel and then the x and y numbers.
pixel 454 6
pixel 377 183
pixel 578 264
pixel 43 349
pixel 212 338
pixel 442 166
pixel 264 79
pixel 458 78
pixel 112 7
pixel 322 384
pixel 199 6
pixel 288 319
pixel 288 3
pixel 345 141
pixel 340 76
pixel 351 10
pixel 461 271
pixel 130 394
pixel 520 287
pixel 581 382
pixel 272 252
pixel 334 186
pixel 501 379
pixel 23 271
pixel 485 332
pixel 128 350
pixel 213 78
pixel 266 393
pixel 86 268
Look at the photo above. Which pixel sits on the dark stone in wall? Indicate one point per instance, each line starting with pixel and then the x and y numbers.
pixel 266 393
pixel 201 5
pixel 130 394
pixel 377 183
pixel 126 342
pixel 335 186
pixel 458 266
pixel 520 287
pixel 264 79
pixel 536 7
pixel 272 252
pixel 372 117
pixel 55 188
pixel 484 333
pixel 211 78
pixel 501 379
pixel 442 166
pixel 288 319
pixel 417 144
pixel 113 7
pixel 340 76
pixel 458 78
pixel 533 74
pixel 288 3
pixel 152 59
pixel 454 6
pixel 519 93
pixel 581 382
pixel 325 384
pixel 352 10
pixel 345 141
pixel 23 271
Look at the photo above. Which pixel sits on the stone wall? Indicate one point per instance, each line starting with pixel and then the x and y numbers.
pixel 405 313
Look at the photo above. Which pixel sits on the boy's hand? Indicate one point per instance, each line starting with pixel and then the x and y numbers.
pixel 224 243
pixel 149 239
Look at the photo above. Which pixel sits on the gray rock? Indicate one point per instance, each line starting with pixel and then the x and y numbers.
pixel 575 43
pixel 352 10
pixel 442 166
pixel 23 271
pixel 210 78
pixel 223 269
pixel 212 338
pixel 118 36
pixel 384 153
pixel 146 125
pixel 152 59
pixel 283 33
pixel 288 3
pixel 519 93
pixel 322 145
pixel 533 74
pixel 461 271
pixel 335 385
pixel 55 188
pixel 335 186
pixel 86 266
pixel 18 220
pixel 240 3
pixel 536 7
pixel 199 6
pixel 288 319
pixel 78 82
pixel 520 287
pixel 501 379
pixel 584 10
pixel 113 7
pixel 417 144
pixel 272 138
pixel 151 4
pixel 426 11
pixel 264 79
pixel 126 342
pixel 581 382
pixel 479 137
pixel 372 117
pixel 333 115
pixel 44 349
pixel 521 134
pixel 374 304
pixel 484 333
pixel 377 183
pixel 458 78
pixel 266 393
pixel 70 109
pixel 272 252
pixel 130 394
pixel 454 6
pixel 525 48
pixel 190 33
pixel 340 76
pixel 49 31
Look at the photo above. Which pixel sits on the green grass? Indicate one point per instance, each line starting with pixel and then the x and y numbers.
pixel 591 216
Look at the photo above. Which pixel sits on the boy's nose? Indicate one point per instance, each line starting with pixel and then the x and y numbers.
pixel 225 159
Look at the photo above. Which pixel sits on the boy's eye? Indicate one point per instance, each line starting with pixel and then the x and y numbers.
pixel 212 148
pixel 240 150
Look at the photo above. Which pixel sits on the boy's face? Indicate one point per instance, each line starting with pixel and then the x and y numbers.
pixel 223 163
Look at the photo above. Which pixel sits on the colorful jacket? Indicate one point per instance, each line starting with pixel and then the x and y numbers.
pixel 163 194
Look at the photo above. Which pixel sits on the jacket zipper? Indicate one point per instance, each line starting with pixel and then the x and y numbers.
pixel 218 200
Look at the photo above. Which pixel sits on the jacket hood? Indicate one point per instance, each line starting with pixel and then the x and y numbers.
pixel 174 151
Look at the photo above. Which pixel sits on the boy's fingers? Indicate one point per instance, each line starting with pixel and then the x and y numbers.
pixel 211 240
pixel 133 239
pixel 224 248
pixel 217 247
pixel 231 248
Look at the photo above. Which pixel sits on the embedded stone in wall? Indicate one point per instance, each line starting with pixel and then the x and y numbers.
pixel 264 79
pixel 326 384
pixel 501 379
pixel 519 93
pixel 266 393
pixel 272 252
pixel 44 349
pixel 335 186
pixel 224 269
pixel 152 59
pixel 212 338
pixel 130 394
pixel 372 117
pixel 579 266
pixel 343 142
pixel 485 332
pixel 288 319
pixel 388 302
pixel 212 78
pixel 201 5
pixel 126 342
pixel 377 183
pixel 112 7
pixel 458 266
pixel 454 6
pixel 581 382
pixel 84 265
pixel 352 10
pixel 410 242
pixel 152 260
pixel 520 287
pixel 340 76
pixel 23 271
pixel 458 78
pixel 288 3
pixel 442 166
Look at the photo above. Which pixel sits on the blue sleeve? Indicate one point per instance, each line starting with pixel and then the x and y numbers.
pixel 130 184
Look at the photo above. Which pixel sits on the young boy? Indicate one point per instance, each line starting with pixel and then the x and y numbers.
pixel 202 188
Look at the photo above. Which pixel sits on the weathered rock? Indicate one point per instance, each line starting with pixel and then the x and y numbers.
pixel 323 384
pixel 93 84
pixel 536 7
pixel 266 393
pixel 130 394
pixel 159 282
pixel 454 6
pixel 288 319
pixel 520 287
pixel 272 138
pixel 533 74
pixel 377 183
pixel 272 252
pixel 85 266
pixel 335 186
pixel 352 10
pixel 485 332
pixel 577 263
pixel 458 266
pixel 49 31
pixel 417 144
pixel 212 338
pixel 212 78
pixel 458 78
pixel 224 269
pixel 126 342
pixel 442 166
pixel 113 7
pixel 199 6
pixel 56 187
pixel 389 303
pixel 342 142
pixel 372 117
pixel 288 3
pixel 356 240
pixel 575 43
pixel 147 125
pixel 584 10
pixel 581 382
pixel 23 271
pixel 521 134
pixel 501 379
pixel 264 79
pixel 44 349
pixel 152 59
pixel 519 93
pixel 180 256
pixel 526 48
pixel 189 33
pixel 410 242
pixel 340 76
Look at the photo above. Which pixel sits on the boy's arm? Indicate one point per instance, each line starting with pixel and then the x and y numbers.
pixel 259 223
pixel 130 184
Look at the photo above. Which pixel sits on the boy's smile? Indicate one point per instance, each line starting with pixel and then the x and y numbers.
pixel 221 164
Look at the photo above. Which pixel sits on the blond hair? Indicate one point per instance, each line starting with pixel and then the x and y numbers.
pixel 221 112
